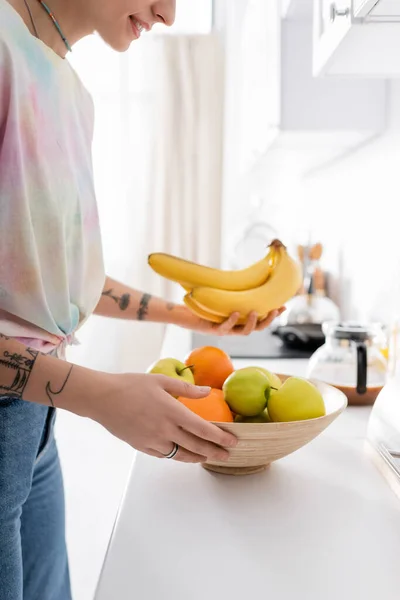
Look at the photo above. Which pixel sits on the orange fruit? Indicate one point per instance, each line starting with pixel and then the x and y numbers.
pixel 212 408
pixel 210 366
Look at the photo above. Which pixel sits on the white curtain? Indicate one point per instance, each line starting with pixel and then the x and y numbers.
pixel 184 216
pixel 158 171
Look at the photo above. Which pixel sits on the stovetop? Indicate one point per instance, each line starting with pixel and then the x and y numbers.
pixel 260 344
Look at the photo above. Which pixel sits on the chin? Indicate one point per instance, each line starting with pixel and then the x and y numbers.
pixel 119 43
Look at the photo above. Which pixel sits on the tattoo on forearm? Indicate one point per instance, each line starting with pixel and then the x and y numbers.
pixel 50 393
pixel 122 301
pixel 170 305
pixel 21 367
pixel 143 307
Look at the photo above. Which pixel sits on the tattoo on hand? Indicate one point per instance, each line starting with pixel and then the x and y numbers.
pixel 143 307
pixel 22 365
pixel 122 301
pixel 50 393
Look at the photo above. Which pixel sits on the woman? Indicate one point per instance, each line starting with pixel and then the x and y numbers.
pixel 52 279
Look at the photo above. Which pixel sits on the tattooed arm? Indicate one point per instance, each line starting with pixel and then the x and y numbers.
pixel 28 374
pixel 121 302
pixel 139 409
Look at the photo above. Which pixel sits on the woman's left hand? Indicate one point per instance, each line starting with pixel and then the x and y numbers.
pixel 229 327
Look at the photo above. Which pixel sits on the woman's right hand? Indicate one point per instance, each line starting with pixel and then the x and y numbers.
pixel 142 411
pixel 139 409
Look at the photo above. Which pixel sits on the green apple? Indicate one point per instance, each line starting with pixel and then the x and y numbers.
pixel 261 418
pixel 247 391
pixel 296 400
pixel 273 379
pixel 172 368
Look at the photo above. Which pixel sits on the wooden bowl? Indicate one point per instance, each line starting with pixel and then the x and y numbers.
pixel 260 444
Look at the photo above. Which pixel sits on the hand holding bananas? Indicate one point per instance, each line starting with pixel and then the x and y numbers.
pixel 189 320
pixel 255 294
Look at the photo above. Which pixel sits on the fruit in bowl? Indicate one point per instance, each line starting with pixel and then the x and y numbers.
pixel 247 391
pixel 171 367
pixel 261 418
pixel 261 443
pixel 212 408
pixel 210 366
pixel 296 400
pixel 250 393
pixel 272 415
pixel 273 378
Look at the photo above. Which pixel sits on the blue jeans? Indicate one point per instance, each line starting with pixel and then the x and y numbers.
pixel 33 556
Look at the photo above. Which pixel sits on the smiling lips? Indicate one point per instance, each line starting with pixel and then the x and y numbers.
pixel 137 26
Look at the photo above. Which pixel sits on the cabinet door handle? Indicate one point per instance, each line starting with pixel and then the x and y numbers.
pixel 338 12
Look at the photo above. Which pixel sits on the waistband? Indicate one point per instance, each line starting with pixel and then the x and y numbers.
pixel 46 347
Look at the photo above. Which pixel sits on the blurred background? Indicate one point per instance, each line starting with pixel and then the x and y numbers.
pixel 247 120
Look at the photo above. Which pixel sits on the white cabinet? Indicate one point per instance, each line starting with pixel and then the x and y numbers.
pixel 271 91
pixel 378 10
pixel 280 121
pixel 359 38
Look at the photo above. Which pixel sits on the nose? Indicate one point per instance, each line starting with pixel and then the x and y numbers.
pixel 164 12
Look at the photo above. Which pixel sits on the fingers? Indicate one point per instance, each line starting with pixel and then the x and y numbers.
pixel 178 387
pixel 227 325
pixel 230 325
pixel 251 324
pixel 182 455
pixel 200 447
pixel 185 456
pixel 205 430
pixel 268 319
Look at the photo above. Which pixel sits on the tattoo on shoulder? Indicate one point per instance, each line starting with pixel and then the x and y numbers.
pixel 122 301
pixel 19 368
pixel 50 393
pixel 143 307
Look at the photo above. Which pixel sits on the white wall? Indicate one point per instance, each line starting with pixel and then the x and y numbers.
pixel 351 206
pixel 354 206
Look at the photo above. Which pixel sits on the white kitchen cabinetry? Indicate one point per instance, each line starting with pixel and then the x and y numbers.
pixel 378 10
pixel 359 38
pixel 281 122
pixel 272 96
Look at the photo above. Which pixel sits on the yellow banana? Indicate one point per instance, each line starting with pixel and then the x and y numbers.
pixel 283 283
pixel 185 286
pixel 191 275
pixel 200 312
pixel 205 314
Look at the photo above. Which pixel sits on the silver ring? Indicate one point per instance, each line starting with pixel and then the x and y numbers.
pixel 173 452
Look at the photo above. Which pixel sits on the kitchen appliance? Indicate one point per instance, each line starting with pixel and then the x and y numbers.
pixel 383 434
pixel 351 360
pixel 305 336
pixel 258 345
pixel 300 326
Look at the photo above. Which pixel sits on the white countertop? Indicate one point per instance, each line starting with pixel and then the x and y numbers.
pixel 320 524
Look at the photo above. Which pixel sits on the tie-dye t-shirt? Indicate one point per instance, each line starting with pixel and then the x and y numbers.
pixel 51 264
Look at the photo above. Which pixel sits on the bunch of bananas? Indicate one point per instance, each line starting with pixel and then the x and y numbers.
pixel 214 294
